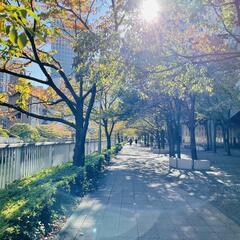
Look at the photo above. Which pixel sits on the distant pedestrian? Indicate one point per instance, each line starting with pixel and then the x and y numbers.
pixel 130 141
pixel 136 140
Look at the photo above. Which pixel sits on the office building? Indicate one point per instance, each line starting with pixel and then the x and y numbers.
pixel 4 82
pixel 64 54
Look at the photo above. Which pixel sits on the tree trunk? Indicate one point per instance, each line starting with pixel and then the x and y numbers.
pixel 162 139
pixel 108 129
pixel 109 143
pixel 151 140
pixel 178 143
pixel 82 124
pixel 226 136
pixel 207 135
pixel 193 143
pixel 178 128
pixel 170 137
pixel 79 149
pixel 158 140
pixel 210 135
pixel 214 137
pixel 192 129
pixel 145 139
pixel 107 134
pixel 228 141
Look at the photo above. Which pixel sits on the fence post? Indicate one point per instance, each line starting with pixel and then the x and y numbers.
pixel 18 163
pixel 22 161
pixel 1 169
pixel 51 149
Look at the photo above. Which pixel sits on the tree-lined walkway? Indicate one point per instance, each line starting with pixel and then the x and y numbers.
pixel 139 199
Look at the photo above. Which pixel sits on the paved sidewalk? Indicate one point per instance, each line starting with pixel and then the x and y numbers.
pixel 137 201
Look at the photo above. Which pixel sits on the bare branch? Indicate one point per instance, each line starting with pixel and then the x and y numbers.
pixel 70 10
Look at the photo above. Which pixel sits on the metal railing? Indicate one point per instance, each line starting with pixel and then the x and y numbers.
pixel 21 160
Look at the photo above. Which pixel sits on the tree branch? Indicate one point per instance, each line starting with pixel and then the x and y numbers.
pixel 61 73
pixel 42 67
pixel 112 127
pixel 89 109
pixel 224 25
pixel 70 10
pixel 24 76
pixel 46 118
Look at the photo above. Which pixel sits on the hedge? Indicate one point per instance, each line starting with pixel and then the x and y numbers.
pixel 111 152
pixel 53 131
pixel 4 133
pixel 29 206
pixel 25 131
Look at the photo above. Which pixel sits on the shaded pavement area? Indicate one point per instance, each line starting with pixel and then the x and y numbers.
pixel 139 198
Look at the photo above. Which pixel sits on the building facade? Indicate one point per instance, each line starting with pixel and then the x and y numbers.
pixel 4 82
pixel 201 134
pixel 34 107
pixel 64 54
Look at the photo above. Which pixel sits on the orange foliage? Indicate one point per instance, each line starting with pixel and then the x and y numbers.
pixel 60 128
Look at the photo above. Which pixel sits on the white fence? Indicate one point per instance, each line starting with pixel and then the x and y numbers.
pixel 21 160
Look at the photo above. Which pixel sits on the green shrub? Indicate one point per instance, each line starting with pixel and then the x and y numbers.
pixel 93 167
pixel 52 131
pixel 118 147
pixel 25 205
pixel 25 132
pixel 4 133
pixel 111 152
pixel 29 206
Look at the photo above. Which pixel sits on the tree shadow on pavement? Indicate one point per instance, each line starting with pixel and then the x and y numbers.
pixel 141 199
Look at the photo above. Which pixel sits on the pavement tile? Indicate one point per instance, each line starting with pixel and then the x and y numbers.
pixel 68 234
pixel 139 198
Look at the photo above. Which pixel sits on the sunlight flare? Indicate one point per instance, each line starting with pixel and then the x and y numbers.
pixel 150 10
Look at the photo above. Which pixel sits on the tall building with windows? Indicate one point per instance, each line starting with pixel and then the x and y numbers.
pixel 4 82
pixel 34 106
pixel 7 81
pixel 64 54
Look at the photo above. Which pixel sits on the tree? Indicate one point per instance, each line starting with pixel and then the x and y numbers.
pixel 25 28
pixel 223 101
pixel 112 76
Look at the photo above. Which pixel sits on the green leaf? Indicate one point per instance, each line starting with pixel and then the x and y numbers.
pixel 7 29
pixel 32 14
pixel 23 13
pixel 41 36
pixel 22 40
pixel 2 22
pixel 13 35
